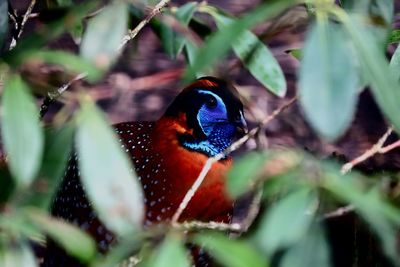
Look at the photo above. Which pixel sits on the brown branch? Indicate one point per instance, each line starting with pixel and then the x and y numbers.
pixel 132 34
pixel 21 27
pixel 234 146
pixel 375 149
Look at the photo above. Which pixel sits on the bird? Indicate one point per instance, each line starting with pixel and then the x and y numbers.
pixel 168 155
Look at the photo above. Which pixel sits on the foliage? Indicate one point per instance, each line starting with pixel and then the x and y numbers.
pixel 344 52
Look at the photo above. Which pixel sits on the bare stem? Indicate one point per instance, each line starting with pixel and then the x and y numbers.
pixel 132 33
pixel 21 27
pixel 375 149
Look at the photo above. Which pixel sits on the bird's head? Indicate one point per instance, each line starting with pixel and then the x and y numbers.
pixel 213 113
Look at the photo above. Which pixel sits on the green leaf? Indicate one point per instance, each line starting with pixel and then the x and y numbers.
pixel 311 250
pixel 69 61
pixel 171 253
pixel 216 46
pixel 384 84
pixel 256 57
pixel 230 252
pixel 21 131
pixel 173 41
pixel 104 33
pixel 17 255
pixel 328 81
pixel 296 53
pixel 3 21
pixel 106 173
pixel 395 63
pixel 58 147
pixel 244 171
pixel 381 216
pixel 75 242
pixel 394 37
pixel 287 221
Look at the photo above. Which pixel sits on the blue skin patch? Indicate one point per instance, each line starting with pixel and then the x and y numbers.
pixel 213 121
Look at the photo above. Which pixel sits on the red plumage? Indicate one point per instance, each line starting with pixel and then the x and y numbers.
pixel 165 168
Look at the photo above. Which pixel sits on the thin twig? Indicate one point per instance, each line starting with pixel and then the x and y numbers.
pixel 338 212
pixel 132 34
pixel 234 146
pixel 376 148
pixel 197 225
pixel 21 27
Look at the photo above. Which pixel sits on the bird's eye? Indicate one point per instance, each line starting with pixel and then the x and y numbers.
pixel 211 102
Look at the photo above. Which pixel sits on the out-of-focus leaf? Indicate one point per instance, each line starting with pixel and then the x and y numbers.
pixel 21 131
pixel 17 255
pixel 216 46
pixel 287 221
pixel 381 216
pixel 106 173
pixel 173 41
pixel 64 3
pixel 328 80
pixel 244 171
pixel 3 21
pixel 394 36
pixel 395 63
pixel 230 252
pixel 296 53
pixel 384 84
pixel 75 242
pixel 69 61
pixel 256 57
pixel 104 34
pixel 311 250
pixel 58 146
pixel 170 253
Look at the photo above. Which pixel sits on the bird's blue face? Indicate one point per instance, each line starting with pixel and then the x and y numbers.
pixel 218 126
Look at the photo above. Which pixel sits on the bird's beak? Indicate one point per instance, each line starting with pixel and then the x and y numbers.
pixel 241 125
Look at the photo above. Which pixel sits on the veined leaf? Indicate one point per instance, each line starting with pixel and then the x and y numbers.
pixel 328 81
pixel 21 131
pixel 216 46
pixel 104 34
pixel 256 57
pixel 107 174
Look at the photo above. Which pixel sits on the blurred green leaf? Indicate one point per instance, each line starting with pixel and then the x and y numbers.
pixel 244 171
pixel 17 255
pixel 328 80
pixel 311 250
pixel 381 216
pixel 64 3
pixel 384 85
pixel 21 131
pixel 287 221
pixel 216 46
pixel 256 57
pixel 171 253
pixel 59 143
pixel 394 36
pixel 104 33
pixel 394 65
pixel 106 172
pixel 69 61
pixel 230 252
pixel 296 53
pixel 173 41
pixel 3 22
pixel 75 242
